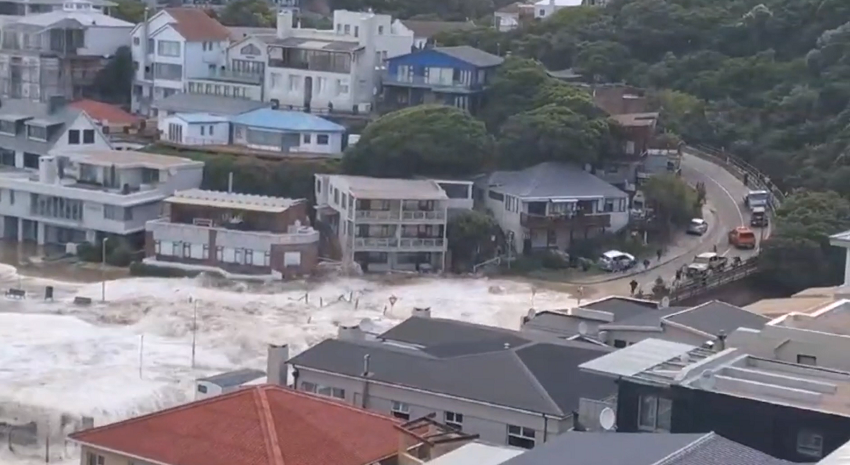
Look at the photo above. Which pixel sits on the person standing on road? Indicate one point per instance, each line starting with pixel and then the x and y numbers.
pixel 633 285
pixel 658 253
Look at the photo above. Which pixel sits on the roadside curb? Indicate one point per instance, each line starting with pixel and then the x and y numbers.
pixel 617 276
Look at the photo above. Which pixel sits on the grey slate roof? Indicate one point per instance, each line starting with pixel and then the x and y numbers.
pixel 650 319
pixel 214 104
pixel 460 359
pixel 551 179
pixel 30 110
pixel 621 307
pixel 234 378
pixel 472 55
pixel 715 316
pixel 574 448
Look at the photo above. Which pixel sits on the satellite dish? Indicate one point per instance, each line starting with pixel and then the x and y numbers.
pixel 665 302
pixel 607 417
pixel 582 328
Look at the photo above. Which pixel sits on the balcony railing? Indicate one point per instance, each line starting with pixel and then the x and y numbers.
pixel 572 220
pixel 420 81
pixel 400 215
pixel 230 75
pixel 403 244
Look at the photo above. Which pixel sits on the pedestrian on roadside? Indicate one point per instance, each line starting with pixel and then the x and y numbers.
pixel 645 263
pixel 633 285
pixel 658 253
pixel 678 274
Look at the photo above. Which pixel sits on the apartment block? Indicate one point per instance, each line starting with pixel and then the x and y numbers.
pixel 385 224
pixel 83 195
pixel 234 234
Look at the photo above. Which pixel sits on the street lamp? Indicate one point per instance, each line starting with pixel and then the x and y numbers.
pixel 103 269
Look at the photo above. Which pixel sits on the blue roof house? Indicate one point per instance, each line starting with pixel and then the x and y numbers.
pixel 287 132
pixel 455 76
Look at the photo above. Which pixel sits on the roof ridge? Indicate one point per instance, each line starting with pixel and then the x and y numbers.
pixel 687 449
pixel 168 411
pixel 536 383
pixel 328 400
pixel 267 424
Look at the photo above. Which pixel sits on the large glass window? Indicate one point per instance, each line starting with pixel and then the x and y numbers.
pixel 56 207
pixel 168 48
pixel 655 414
pixel 519 436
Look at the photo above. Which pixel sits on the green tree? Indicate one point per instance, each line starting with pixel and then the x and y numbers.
pixel 114 82
pixel 428 140
pixel 550 133
pixel 132 11
pixel 674 201
pixel 798 254
pixel 247 13
pixel 470 235
pixel 514 90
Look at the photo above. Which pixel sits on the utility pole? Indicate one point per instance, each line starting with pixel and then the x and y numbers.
pixel 103 269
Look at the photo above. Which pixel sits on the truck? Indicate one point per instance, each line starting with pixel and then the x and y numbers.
pixel 755 199
pixel 742 237
pixel 758 218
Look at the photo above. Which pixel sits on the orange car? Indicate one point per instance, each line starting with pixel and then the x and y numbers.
pixel 742 237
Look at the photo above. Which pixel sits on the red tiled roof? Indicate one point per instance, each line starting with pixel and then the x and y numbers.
pixel 105 113
pixel 261 425
pixel 196 26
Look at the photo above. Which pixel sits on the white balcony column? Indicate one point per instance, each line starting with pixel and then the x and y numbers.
pixel 20 229
pixel 40 232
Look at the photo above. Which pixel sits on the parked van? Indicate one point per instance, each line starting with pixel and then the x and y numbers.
pixel 614 260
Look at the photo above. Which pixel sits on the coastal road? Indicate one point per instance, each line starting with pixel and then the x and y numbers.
pixel 724 198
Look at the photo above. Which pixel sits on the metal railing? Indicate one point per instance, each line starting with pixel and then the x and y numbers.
pixel 378 214
pixel 424 215
pixel 738 168
pixel 421 81
pixel 399 215
pixel 382 242
pixel 406 243
pixel 403 243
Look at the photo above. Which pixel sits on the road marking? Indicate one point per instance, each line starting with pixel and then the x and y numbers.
pixel 731 197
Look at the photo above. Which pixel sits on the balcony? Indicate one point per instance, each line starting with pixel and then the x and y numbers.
pixel 528 220
pixel 229 75
pixel 405 244
pixel 421 82
pixel 400 216
pixel 164 229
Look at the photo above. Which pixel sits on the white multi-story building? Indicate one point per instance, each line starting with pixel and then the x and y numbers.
pixel 171 47
pixel 85 194
pixel 549 205
pixel 385 224
pixel 59 52
pixel 330 70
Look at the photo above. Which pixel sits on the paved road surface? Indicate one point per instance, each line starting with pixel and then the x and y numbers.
pixel 724 194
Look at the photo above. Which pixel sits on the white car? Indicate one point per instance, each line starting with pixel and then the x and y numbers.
pixel 614 260
pixel 697 226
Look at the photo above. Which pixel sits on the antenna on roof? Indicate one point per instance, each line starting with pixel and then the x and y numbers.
pixel 607 418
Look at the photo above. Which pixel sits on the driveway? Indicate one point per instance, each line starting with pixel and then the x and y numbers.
pixel 724 198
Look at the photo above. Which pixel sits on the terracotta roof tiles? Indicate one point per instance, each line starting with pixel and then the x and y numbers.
pixel 196 26
pixel 105 113
pixel 262 425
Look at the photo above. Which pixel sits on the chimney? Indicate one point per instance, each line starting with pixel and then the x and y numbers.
pixel 366 365
pixel 284 24
pixel 421 312
pixel 276 372
pixel 350 333
pixel 721 341
pixel 55 103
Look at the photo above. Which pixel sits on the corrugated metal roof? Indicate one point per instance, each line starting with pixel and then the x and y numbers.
pixel 635 359
pixel 286 120
pixel 232 200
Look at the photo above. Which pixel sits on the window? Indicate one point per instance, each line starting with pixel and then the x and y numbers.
pixel 496 196
pixel 331 392
pixel 187 250
pixel 347 29
pixel 276 80
pixel 654 414
pixel 309 387
pixel 170 72
pixel 73 136
pixel 619 343
pixel 380 30
pixel 250 49
pixel 202 389
pixel 401 410
pixel 341 87
pixel 202 130
pixel 157 247
pixel 293 83
pixel 37 132
pixel 807 360
pixel 136 41
pixel 307 138
pixel 322 139
pixel 31 160
pixel 8 127
pixel 211 130
pixel 94 459
pixel 809 444
pixel 454 419
pixel 88 136
pixel 150 45
pixel 356 31
pixel 519 436
pixel 168 48
pixel 175 249
pixel 7 157
pixel 609 205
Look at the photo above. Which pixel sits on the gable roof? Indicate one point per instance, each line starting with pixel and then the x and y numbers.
pixel 26 110
pixel 182 102
pixel 196 26
pixel 430 353
pixel 471 55
pixel 575 448
pixel 715 316
pixel 234 378
pixel 258 426
pixel 551 180
pixel 105 113
pixel 286 120
pixel 428 29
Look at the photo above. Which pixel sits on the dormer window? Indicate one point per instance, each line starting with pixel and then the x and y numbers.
pixel 37 132
pixel 8 127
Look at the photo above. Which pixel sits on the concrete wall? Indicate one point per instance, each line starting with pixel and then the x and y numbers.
pixel 490 422
pixel 785 344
